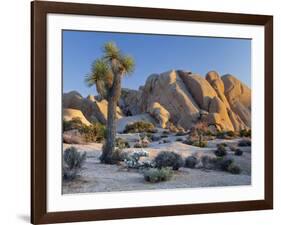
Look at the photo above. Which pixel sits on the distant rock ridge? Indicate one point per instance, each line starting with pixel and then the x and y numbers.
pixel 176 97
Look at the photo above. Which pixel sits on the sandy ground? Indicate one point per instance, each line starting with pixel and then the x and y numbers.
pixel 97 177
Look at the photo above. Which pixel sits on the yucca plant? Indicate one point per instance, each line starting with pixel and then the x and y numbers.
pixel 107 73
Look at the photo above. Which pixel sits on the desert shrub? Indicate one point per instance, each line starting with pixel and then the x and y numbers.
pixel 220 152
pixel 208 162
pixel 140 145
pixel 155 175
pixel 179 139
pixel 93 133
pixel 221 134
pixel 132 159
pixel 180 133
pixel 166 141
pixel 244 142
pixel 238 152
pixel 72 163
pixel 166 132
pixel 139 127
pixel 191 162
pixel 188 142
pixel 232 148
pixel 230 133
pixel 223 163
pixel 75 123
pixel 74 159
pixel 121 143
pixel 168 159
pixel 201 144
pixel 208 133
pixel 155 138
pixel 164 136
pixel 118 155
pixel 234 169
pixel 245 133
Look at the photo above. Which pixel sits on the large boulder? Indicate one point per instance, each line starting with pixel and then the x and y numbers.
pixel 72 100
pixel 216 82
pixel 93 110
pixel 130 101
pixel 199 88
pixel 100 111
pixel 123 122
pixel 239 97
pixel 159 113
pixel 69 114
pixel 218 115
pixel 169 90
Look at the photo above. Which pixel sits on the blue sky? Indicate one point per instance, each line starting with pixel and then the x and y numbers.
pixel 154 54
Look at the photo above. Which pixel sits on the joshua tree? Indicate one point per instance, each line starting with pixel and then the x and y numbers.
pixel 106 73
pixel 200 129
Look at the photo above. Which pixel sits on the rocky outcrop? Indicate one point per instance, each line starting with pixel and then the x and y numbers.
pixel 175 100
pixel 199 88
pixel 239 97
pixel 100 111
pixel 69 114
pixel 123 122
pixel 159 113
pixel 218 115
pixel 130 102
pixel 169 90
pixel 93 110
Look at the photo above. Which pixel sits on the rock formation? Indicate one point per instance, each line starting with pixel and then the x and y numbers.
pixel 176 99
pixel 160 114
pixel 69 114
pixel 169 90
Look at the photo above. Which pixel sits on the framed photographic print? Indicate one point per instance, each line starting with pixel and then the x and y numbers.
pixel 144 112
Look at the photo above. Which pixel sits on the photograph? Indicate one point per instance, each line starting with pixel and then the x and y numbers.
pixel 154 111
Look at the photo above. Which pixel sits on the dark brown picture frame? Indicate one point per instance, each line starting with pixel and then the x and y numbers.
pixel 40 9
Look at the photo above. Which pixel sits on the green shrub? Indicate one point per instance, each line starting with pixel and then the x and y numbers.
pixel 165 132
pixel 139 127
pixel 180 133
pixel 155 138
pixel 188 142
pixel 166 141
pixel 121 143
pixel 93 133
pixel 140 145
pixel 118 155
pixel 75 123
pixel 223 163
pixel 132 160
pixel 191 162
pixel 220 152
pixel 234 169
pixel 221 134
pixel 208 133
pixel 72 163
pixel 73 158
pixel 245 133
pixel 244 143
pixel 168 159
pixel 164 136
pixel 155 175
pixel 201 144
pixel 179 139
pixel 209 162
pixel 230 133
pixel 238 152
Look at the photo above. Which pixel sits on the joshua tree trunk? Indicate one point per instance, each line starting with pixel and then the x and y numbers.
pixel 113 98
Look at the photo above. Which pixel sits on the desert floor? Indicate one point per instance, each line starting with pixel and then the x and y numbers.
pixel 97 177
